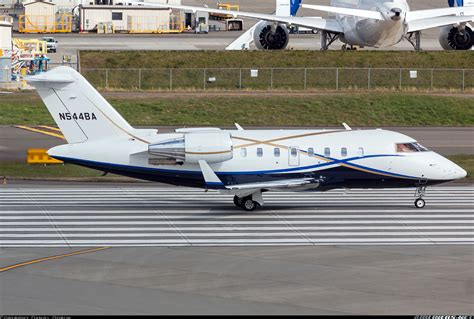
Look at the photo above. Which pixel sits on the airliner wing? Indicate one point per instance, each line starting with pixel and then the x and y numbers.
pixel 213 182
pixel 443 12
pixel 309 22
pixel 423 24
pixel 346 11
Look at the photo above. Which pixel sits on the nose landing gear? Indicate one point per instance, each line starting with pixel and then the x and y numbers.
pixel 420 192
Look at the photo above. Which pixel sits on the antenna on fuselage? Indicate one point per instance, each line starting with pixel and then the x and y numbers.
pixel 347 127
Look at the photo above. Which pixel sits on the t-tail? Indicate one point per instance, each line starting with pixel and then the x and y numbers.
pixel 79 110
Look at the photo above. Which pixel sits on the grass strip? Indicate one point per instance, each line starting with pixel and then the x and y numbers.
pixel 283 110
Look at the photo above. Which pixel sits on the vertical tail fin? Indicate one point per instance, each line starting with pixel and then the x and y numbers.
pixel 295 6
pixel 80 111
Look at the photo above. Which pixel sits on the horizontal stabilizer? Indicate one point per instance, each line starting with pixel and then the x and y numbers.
pixel 346 11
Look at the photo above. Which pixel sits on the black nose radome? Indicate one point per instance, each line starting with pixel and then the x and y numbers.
pixel 397 13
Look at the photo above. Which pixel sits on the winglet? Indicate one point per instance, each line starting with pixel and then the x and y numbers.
pixel 239 128
pixel 211 179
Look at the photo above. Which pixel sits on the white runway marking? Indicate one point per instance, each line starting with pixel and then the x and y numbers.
pixel 138 216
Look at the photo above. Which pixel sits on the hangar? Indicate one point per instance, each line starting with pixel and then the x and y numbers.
pixel 108 18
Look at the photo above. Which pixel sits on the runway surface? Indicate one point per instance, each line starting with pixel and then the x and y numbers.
pixel 148 216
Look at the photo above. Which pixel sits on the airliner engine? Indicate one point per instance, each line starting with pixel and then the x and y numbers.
pixel 453 38
pixel 271 37
pixel 212 147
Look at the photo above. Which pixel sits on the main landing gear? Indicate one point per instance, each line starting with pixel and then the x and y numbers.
pixel 420 192
pixel 415 40
pixel 246 203
pixel 250 202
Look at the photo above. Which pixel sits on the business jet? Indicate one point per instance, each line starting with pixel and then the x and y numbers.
pixel 361 23
pixel 243 163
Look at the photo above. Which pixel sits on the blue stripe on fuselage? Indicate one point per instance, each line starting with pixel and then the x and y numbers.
pixel 286 170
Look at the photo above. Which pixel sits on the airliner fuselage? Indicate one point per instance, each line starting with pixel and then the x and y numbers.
pixel 371 32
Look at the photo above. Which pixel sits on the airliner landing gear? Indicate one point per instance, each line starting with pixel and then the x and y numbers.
pixel 415 39
pixel 420 192
pixel 250 202
pixel 346 47
pixel 238 201
pixel 328 38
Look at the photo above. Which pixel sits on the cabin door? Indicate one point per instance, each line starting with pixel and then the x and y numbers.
pixel 294 156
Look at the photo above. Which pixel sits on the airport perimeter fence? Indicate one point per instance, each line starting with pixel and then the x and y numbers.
pixel 202 79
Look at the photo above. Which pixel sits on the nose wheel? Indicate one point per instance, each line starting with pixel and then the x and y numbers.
pixel 420 203
pixel 420 193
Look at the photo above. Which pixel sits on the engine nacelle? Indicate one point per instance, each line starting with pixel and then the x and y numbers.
pixel 453 38
pixel 270 37
pixel 213 147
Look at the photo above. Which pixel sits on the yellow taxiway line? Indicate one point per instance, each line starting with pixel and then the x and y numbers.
pixel 40 131
pixel 50 128
pixel 26 263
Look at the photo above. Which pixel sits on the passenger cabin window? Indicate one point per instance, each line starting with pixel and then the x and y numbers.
pixel 294 152
pixel 259 152
pixel 243 152
pixel 310 151
pixel 343 152
pixel 276 152
pixel 410 148
pixel 327 152
pixel 360 152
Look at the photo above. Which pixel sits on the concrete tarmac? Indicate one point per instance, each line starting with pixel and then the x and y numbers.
pixel 70 43
pixel 363 252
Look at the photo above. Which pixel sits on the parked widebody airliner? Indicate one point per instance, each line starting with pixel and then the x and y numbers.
pixel 361 23
pixel 244 163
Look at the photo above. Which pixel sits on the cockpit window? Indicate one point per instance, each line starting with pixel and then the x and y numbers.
pixel 410 147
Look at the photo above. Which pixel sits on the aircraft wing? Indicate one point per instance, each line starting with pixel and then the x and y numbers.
pixel 284 183
pixel 213 182
pixel 423 24
pixel 308 22
pixel 443 12
pixel 346 11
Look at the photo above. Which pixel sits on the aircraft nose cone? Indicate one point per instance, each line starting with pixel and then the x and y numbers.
pixel 396 14
pixel 460 173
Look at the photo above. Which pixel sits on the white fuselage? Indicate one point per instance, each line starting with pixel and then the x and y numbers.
pixel 358 158
pixel 370 32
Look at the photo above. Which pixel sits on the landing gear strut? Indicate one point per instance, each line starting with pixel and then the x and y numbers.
pixel 420 192
pixel 328 38
pixel 415 39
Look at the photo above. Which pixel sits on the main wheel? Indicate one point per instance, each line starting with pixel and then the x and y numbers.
pixel 420 203
pixel 248 204
pixel 237 201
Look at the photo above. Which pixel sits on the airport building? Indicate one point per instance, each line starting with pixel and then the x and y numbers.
pixel 131 19
pixel 5 50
